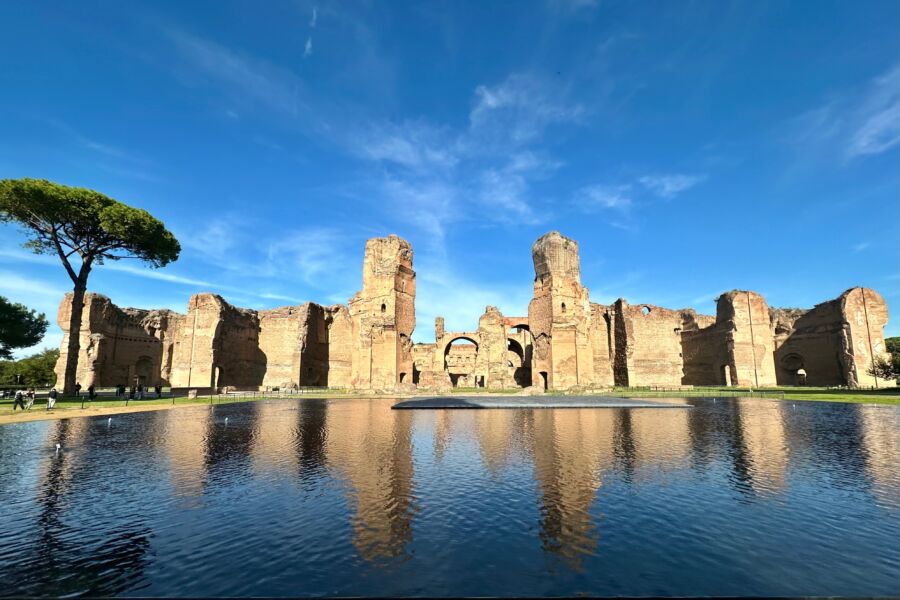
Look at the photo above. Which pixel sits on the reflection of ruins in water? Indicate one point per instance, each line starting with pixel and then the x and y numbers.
pixel 185 444
pixel 289 439
pixel 764 444
pixel 273 441
pixel 77 560
pixel 880 427
pixel 370 445
pixel 500 435
pixel 571 448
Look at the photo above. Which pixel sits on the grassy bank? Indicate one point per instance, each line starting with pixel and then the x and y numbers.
pixel 105 405
pixel 882 396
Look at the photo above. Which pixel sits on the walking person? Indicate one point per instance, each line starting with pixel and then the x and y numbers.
pixel 51 398
pixel 158 390
pixel 140 391
pixel 92 392
pixel 131 392
pixel 19 401
pixel 29 398
pixel 78 389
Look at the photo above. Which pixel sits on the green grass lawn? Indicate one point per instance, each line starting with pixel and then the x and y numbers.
pixel 819 394
pixel 882 396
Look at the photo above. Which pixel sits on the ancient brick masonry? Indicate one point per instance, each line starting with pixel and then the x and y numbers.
pixel 566 342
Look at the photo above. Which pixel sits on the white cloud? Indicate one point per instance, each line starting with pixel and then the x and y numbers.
pixel 411 144
pixel 429 204
pixel 854 124
pixel 879 117
pixel 669 186
pixel 214 242
pixel 318 256
pixel 149 273
pixel 516 112
pixel 243 78
pixel 861 246
pixel 307 48
pixel 598 197
pixel 315 18
pixel 272 296
pixel 505 191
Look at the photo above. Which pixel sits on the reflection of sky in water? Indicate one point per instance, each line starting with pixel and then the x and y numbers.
pixel 348 497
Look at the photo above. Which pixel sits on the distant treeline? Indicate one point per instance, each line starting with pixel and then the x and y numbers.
pixel 35 370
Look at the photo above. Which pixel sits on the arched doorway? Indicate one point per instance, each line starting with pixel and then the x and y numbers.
pixel 143 371
pixel 794 364
pixel 460 357
pixel 518 363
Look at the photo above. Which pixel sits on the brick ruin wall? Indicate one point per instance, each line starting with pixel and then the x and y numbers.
pixel 832 343
pixel 565 342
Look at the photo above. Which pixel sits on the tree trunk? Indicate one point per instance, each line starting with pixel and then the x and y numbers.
pixel 74 346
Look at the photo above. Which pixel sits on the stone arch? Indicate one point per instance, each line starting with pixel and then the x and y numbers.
pixel 795 365
pixel 454 337
pixel 459 374
pixel 520 370
pixel 143 370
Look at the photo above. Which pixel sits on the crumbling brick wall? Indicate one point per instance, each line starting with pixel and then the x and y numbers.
pixel 834 343
pixel 648 344
pixel 383 316
pixel 119 346
pixel 565 342
pixel 559 315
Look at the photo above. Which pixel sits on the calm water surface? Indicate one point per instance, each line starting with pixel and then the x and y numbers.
pixel 347 497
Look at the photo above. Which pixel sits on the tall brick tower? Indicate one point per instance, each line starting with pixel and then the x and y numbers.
pixel 559 315
pixel 383 315
pixel 749 345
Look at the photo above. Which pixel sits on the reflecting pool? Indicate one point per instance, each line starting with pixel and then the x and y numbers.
pixel 347 497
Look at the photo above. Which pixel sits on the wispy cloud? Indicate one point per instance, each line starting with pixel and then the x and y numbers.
pixel 879 117
pixel 593 198
pixel 315 18
pixel 411 144
pixel 516 111
pixel 271 296
pixel 669 186
pixel 434 173
pixel 854 124
pixel 318 256
pixel 307 48
pixel 243 78
pixel 861 246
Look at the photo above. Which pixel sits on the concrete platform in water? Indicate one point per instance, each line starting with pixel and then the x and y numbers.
pixel 534 402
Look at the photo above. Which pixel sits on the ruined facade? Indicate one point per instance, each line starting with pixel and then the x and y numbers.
pixel 566 342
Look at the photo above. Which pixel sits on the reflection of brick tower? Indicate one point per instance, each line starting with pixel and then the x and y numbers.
pixel 384 315
pixel 559 315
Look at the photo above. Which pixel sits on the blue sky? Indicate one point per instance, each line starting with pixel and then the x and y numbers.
pixel 690 147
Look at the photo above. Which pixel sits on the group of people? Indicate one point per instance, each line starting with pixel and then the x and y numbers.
pixel 24 398
pixel 137 392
